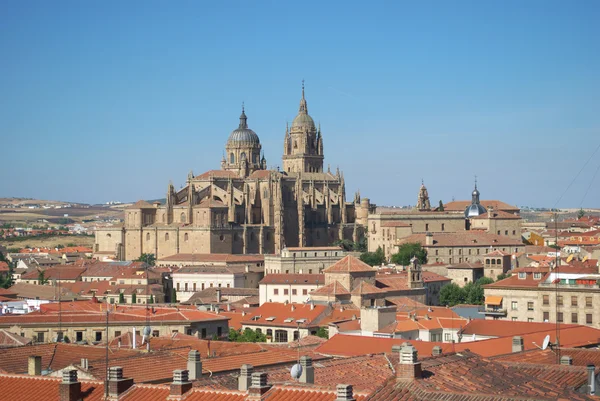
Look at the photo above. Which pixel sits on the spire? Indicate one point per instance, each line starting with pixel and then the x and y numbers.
pixel 475 194
pixel 243 118
pixel 303 106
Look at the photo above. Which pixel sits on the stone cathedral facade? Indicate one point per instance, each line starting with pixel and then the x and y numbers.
pixel 245 208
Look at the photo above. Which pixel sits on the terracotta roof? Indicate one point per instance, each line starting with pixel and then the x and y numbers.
pixel 349 264
pixel 286 315
pixel 3 266
pixel 466 265
pixel 34 291
pixel 56 273
pixel 209 295
pixel 579 356
pixel 340 313
pixel 392 282
pixel 365 288
pixel 55 356
pixel 8 339
pixel 293 279
pixel 141 204
pixel 515 282
pixel 211 203
pixel 507 328
pixel 301 394
pixel 333 288
pixel 216 174
pixel 429 277
pixel 261 174
pixel 577 336
pixel 405 304
pixel 26 388
pixel 460 206
pixel 468 377
pixel 348 345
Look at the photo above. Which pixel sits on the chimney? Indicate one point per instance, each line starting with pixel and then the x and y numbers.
pixel 308 371
pixel 116 384
pixel 194 365
pixel 591 369
pixel 34 365
pixel 218 295
pixel 517 344
pixel 429 239
pixel 84 363
pixel 259 386
pixel 344 392
pixel 181 383
pixel 228 307
pixel 245 379
pixel 436 351
pixel 69 389
pixel 409 367
pixel 566 360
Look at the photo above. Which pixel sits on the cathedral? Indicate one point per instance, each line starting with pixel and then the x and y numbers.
pixel 245 208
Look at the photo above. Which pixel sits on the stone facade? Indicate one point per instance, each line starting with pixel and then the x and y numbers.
pixel 245 208
pixel 387 226
pixel 303 260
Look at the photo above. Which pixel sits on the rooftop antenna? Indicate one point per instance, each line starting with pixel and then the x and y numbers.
pixel 556 267
pixel 106 356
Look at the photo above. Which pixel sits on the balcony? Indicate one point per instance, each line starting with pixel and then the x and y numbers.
pixel 491 311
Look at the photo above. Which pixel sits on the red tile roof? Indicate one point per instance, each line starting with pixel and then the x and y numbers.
pixel 504 328
pixel 349 264
pixel 333 288
pixel 365 288
pixel 348 345
pixel 498 214
pixel 460 206
pixel 286 315
pixel 27 388
pixel 464 238
pixel 216 174
pixel 141 204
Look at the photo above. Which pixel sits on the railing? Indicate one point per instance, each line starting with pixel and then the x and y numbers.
pixel 493 312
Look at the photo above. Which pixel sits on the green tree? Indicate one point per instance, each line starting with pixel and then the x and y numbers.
pixel 441 206
pixel 121 298
pixel 42 278
pixel 151 300
pixel 173 296
pixel 246 336
pixel 59 246
pixel 323 332
pixel 502 276
pixel 133 298
pixel 345 244
pixel 361 245
pixel 147 258
pixel 580 213
pixel 407 251
pixel 71 244
pixel 373 258
pixel 452 294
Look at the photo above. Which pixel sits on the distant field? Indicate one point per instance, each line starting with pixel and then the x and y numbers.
pixel 50 242
pixel 75 214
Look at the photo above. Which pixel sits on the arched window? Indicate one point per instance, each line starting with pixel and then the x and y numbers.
pixel 185 237
pixel 108 235
pixel 147 236
pixel 166 236
pixel 243 156
pixel 231 158
pixel 265 193
pixel 182 217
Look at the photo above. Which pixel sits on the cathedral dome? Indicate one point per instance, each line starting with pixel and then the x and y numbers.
pixel 243 135
pixel 303 120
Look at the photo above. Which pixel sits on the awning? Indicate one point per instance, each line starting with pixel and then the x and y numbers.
pixel 493 300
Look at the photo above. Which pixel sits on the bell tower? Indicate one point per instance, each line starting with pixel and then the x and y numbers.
pixel 303 143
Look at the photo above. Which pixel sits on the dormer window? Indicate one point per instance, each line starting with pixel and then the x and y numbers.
pixel 537 276
pixel 522 275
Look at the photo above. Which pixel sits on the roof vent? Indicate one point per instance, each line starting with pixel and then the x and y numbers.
pixel 344 392
pixel 181 383
pixel 517 344
pixel 566 360
pixel 70 388
pixel 436 351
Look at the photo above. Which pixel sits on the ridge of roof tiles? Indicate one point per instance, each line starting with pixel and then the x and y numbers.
pixel 333 288
pixel 349 264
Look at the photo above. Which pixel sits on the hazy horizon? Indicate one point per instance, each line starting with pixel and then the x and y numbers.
pixel 109 101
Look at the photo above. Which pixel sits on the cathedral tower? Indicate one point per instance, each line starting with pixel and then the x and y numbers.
pixel 303 144
pixel 242 152
pixel 423 199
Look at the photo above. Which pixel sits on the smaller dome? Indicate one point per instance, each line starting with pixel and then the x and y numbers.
pixel 243 135
pixel 474 210
pixel 475 192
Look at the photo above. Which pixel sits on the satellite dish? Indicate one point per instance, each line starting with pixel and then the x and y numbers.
pixel 147 331
pixel 546 342
pixel 296 371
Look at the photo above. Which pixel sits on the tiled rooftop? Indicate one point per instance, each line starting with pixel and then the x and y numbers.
pixel 286 315
pixel 315 279
pixel 349 264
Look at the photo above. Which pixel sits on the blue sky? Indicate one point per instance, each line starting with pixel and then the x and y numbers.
pixel 109 100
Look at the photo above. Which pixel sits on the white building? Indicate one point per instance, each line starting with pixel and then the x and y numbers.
pixel 291 288
pixel 190 279
pixel 303 260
